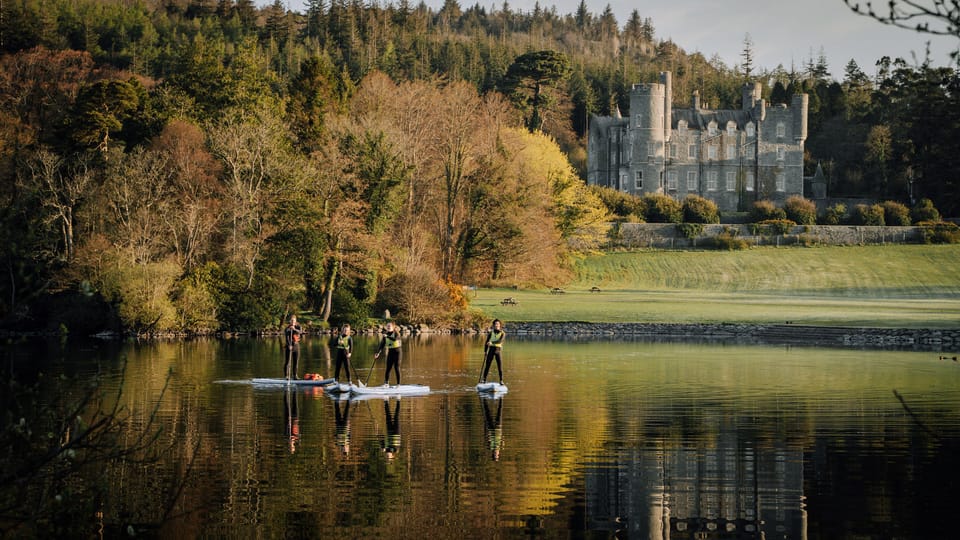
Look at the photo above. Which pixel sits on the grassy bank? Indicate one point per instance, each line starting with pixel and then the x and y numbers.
pixel 909 286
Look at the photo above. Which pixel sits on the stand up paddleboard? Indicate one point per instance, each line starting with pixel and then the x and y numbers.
pixel 401 390
pixel 338 388
pixel 279 381
pixel 492 388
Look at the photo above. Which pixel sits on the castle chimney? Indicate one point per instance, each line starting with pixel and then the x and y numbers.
pixel 696 100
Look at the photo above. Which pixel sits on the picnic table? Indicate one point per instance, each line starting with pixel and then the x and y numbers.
pixel 509 301
pixel 557 290
pixel 594 289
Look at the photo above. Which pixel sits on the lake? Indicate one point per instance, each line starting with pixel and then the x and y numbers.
pixel 595 439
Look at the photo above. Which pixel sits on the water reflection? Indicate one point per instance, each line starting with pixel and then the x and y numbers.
pixel 391 440
pixel 342 422
pixel 624 439
pixel 493 422
pixel 291 409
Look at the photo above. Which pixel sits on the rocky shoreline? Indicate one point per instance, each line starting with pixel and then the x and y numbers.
pixel 936 340
pixel 914 339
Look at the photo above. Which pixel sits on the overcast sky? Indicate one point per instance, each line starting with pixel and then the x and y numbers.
pixel 783 32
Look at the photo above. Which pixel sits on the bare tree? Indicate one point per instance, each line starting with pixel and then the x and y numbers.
pixel 935 17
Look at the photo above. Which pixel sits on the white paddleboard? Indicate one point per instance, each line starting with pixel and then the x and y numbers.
pixel 338 388
pixel 401 390
pixel 492 387
pixel 291 382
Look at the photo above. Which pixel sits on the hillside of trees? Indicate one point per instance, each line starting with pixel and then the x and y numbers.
pixel 199 165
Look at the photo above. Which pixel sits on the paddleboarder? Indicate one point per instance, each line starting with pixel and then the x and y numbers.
pixel 492 349
pixel 343 344
pixel 390 342
pixel 292 335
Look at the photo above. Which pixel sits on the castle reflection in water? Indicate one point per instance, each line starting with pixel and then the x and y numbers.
pixel 725 488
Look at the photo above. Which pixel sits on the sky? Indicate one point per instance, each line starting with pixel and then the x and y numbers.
pixel 783 32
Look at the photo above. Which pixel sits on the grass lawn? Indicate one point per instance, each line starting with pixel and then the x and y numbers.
pixel 906 286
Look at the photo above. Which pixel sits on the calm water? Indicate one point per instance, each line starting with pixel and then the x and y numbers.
pixel 594 439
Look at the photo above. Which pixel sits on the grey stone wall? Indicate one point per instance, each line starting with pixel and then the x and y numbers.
pixel 666 235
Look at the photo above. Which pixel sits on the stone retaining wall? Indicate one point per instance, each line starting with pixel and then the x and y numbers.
pixel 666 235
pixel 943 340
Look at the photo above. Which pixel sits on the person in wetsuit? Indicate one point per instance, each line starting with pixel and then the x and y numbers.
pixel 292 335
pixel 492 349
pixel 342 343
pixel 390 342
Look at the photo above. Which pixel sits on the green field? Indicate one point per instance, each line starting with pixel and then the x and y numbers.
pixel 908 286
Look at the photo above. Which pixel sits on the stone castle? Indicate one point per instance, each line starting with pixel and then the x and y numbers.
pixel 731 157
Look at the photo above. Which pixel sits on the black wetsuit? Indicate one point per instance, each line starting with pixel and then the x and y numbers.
pixel 391 342
pixel 292 336
pixel 344 348
pixel 493 347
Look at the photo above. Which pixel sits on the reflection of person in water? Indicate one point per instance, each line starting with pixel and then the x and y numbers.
pixel 292 417
pixel 343 425
pixel 391 444
pixel 493 427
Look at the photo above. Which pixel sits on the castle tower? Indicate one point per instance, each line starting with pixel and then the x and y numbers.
pixel 647 136
pixel 751 95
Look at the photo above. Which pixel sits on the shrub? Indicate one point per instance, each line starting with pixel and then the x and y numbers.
pixel 772 227
pixel 801 210
pixel 661 208
pixel 619 203
pixel 940 232
pixel 834 215
pixel 418 296
pixel 141 294
pixel 348 309
pixel 895 213
pixel 766 211
pixel 730 239
pixel 690 230
pixel 864 214
pixel 697 209
pixel 925 211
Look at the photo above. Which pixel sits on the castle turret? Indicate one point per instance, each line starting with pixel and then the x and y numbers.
pixel 695 100
pixel 648 129
pixel 667 82
pixel 751 95
pixel 799 106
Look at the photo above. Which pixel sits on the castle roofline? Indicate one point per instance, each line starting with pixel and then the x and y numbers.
pixel 700 118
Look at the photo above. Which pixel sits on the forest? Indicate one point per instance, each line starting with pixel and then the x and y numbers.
pixel 200 165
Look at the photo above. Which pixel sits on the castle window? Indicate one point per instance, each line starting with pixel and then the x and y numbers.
pixel 781 153
pixel 731 128
pixel 712 151
pixel 672 180
pixel 781 130
pixel 638 180
pixel 673 150
pixel 712 129
pixel 637 121
pixel 624 178
pixel 751 151
pixel 682 127
pixel 651 149
pixel 751 130
pixel 692 151
pixel 750 181
pixel 781 182
pixel 731 152
pixel 731 181
pixel 691 180
pixel 712 180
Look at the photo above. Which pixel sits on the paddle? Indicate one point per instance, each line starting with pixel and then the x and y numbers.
pixel 482 364
pixel 371 369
